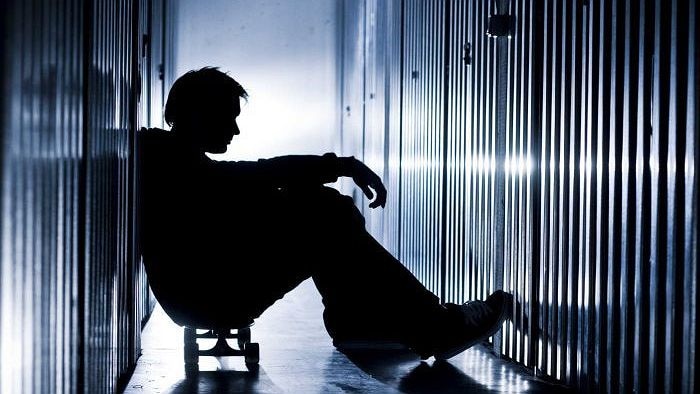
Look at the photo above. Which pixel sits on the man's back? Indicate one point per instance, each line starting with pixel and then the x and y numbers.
pixel 191 221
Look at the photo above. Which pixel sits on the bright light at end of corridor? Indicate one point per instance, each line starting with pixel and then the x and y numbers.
pixel 271 127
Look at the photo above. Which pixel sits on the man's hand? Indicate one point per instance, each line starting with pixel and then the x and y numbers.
pixel 367 180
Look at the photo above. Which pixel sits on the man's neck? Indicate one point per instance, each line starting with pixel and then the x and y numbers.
pixel 188 144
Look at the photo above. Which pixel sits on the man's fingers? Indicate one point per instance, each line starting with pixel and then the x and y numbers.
pixel 380 190
pixel 369 182
pixel 367 191
pixel 380 199
pixel 381 195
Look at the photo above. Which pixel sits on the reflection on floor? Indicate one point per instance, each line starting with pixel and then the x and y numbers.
pixel 296 356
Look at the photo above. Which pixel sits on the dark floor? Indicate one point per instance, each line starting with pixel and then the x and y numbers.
pixel 297 357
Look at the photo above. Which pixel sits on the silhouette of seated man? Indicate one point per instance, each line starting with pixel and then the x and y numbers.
pixel 223 240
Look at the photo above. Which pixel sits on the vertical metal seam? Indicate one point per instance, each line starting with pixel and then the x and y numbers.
pixel 83 318
pixel 445 131
pixel 400 207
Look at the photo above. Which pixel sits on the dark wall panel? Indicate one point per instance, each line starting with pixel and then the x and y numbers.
pixel 72 292
pixel 573 144
pixel 109 253
pixel 41 155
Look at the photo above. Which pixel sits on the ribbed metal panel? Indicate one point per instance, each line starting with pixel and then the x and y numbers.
pixel 422 141
pixel 389 48
pixel 375 91
pixel 149 63
pixel 520 155
pixel 372 81
pixel 72 292
pixel 393 77
pixel 471 154
pixel 599 301
pixel 41 153
pixel 353 86
pixel 573 143
pixel 152 62
pixel 108 246
pixel 608 255
pixel 169 44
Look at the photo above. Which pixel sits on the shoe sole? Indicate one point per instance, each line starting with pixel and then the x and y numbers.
pixel 457 350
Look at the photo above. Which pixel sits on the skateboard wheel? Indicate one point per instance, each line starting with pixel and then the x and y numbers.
pixel 243 337
pixel 190 335
pixel 191 353
pixel 191 369
pixel 252 353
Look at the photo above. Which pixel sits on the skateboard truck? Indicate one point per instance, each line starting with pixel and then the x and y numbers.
pixel 249 350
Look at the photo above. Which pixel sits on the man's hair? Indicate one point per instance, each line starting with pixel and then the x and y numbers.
pixel 198 87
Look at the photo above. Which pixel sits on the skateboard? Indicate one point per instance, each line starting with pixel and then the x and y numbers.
pixel 249 350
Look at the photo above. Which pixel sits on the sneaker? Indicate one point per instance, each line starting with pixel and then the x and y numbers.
pixel 480 320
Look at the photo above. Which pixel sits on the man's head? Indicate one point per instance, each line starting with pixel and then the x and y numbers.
pixel 203 105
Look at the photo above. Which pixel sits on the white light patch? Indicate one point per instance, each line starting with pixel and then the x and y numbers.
pixel 284 54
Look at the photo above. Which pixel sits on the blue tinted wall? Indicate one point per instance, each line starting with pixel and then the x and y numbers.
pixel 77 79
pixel 557 162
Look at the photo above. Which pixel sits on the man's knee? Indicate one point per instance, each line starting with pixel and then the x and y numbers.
pixel 335 197
pixel 339 206
pixel 328 205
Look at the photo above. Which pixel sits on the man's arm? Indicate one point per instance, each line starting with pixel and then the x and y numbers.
pixel 299 170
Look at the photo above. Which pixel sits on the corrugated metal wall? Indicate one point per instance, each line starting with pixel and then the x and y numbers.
pixel 73 293
pixel 353 84
pixel 41 194
pixel 374 99
pixel 372 82
pixel 558 164
pixel 471 176
pixel 422 151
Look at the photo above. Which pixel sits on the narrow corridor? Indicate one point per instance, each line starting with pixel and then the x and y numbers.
pixel 296 356
pixel 544 148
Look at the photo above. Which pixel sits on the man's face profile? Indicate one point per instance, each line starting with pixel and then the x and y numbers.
pixel 202 107
pixel 215 123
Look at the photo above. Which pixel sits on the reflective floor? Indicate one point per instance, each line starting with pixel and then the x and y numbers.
pixel 296 356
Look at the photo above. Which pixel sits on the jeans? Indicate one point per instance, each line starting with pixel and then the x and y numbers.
pixel 308 232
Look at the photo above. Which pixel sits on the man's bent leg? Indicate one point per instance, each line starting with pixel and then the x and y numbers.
pixel 365 290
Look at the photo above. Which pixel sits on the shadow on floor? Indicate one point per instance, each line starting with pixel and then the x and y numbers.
pixel 225 381
pixel 398 368
pixel 440 377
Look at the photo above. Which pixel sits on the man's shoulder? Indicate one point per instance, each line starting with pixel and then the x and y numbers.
pixel 154 138
pixel 154 133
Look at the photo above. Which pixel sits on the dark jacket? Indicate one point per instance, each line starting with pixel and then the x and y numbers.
pixel 196 214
